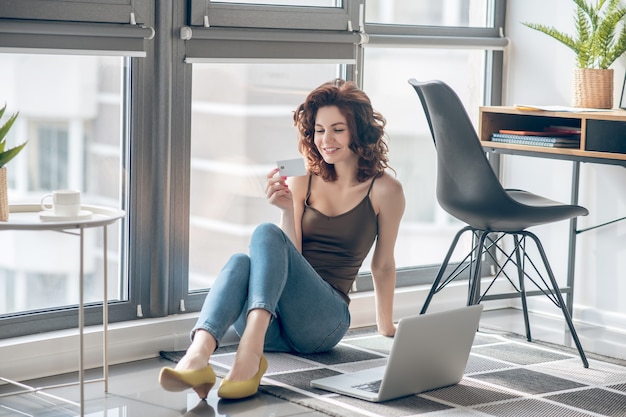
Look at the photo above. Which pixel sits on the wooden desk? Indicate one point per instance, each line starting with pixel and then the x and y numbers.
pixel 602 141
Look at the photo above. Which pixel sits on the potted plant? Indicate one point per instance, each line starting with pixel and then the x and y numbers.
pixel 6 156
pixel 599 40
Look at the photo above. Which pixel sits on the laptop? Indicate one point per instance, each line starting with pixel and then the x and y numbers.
pixel 429 351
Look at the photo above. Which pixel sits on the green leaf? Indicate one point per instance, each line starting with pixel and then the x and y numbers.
pixel 559 36
pixel 6 156
pixel 596 42
pixel 4 129
pixel 618 49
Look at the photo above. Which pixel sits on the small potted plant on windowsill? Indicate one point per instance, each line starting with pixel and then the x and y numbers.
pixel 5 157
pixel 600 40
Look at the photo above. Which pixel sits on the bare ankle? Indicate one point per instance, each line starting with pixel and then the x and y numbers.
pixel 245 365
pixel 199 352
pixel 192 361
pixel 197 355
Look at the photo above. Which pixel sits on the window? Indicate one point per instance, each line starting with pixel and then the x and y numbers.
pixel 66 67
pixel 429 13
pixel 456 41
pixel 227 174
pixel 241 125
pixel 70 111
pixel 182 141
pixel 426 230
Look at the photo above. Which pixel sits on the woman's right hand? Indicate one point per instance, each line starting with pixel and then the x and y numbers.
pixel 277 191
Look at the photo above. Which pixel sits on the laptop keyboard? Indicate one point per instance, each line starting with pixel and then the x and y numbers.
pixel 373 386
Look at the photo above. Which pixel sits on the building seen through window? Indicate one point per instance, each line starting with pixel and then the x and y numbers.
pixel 472 13
pixel 70 113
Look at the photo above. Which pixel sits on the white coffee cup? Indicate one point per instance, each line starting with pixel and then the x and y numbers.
pixel 65 203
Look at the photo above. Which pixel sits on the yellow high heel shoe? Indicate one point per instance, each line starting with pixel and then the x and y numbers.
pixel 235 390
pixel 201 380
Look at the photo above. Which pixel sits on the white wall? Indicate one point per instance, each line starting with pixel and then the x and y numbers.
pixel 539 71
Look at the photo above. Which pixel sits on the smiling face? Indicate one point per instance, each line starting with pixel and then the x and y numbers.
pixel 332 137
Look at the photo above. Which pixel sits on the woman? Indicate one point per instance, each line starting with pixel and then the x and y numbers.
pixel 290 294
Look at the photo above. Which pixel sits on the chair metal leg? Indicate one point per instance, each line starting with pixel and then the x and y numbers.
pixel 520 275
pixel 474 284
pixel 559 297
pixel 474 289
pixel 436 283
pixel 472 256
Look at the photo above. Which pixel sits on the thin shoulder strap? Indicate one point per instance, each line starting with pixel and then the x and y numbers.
pixel 371 185
pixel 308 190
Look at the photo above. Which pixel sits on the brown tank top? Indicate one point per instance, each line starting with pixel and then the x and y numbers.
pixel 336 246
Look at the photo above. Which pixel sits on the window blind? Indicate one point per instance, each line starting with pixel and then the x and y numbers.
pixel 257 45
pixel 25 36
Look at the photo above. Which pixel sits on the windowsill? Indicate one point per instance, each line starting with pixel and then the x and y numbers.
pixel 56 353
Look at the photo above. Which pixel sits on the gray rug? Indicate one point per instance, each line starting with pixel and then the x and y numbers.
pixel 505 376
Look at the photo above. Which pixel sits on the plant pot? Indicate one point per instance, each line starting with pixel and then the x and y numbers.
pixel 4 199
pixel 593 88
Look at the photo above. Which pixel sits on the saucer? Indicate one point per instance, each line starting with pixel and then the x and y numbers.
pixel 51 217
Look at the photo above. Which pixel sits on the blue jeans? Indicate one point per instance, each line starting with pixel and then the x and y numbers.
pixel 308 315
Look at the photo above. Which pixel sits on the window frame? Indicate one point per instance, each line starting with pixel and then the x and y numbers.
pixel 66 316
pixel 158 160
pixel 491 39
pixel 98 33
pixel 383 35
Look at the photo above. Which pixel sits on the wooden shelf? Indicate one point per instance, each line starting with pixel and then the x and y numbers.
pixel 603 134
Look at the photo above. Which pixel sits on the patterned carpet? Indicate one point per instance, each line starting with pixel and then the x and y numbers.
pixel 505 376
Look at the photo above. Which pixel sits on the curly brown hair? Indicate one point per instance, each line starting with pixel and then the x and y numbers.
pixel 366 126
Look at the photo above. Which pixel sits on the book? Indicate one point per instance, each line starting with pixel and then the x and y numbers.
pixel 569 109
pixel 564 129
pixel 545 141
pixel 552 132
pixel 531 143
pixel 538 138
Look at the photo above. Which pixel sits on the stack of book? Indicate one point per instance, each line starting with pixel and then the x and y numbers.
pixel 552 136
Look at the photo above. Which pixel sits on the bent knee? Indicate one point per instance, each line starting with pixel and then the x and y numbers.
pixel 240 257
pixel 264 228
pixel 268 231
pixel 239 261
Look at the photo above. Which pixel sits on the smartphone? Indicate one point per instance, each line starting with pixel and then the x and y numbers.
pixel 291 167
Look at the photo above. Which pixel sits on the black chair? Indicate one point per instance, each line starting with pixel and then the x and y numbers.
pixel 469 190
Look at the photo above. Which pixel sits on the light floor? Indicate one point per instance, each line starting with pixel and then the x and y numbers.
pixel 134 390
pixel 594 339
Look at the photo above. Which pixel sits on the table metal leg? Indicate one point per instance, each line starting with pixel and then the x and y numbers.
pixel 571 252
pixel 108 217
pixel 105 316
pixel 81 326
pixel 81 321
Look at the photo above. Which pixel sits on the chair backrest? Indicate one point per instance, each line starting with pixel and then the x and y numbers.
pixel 467 186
